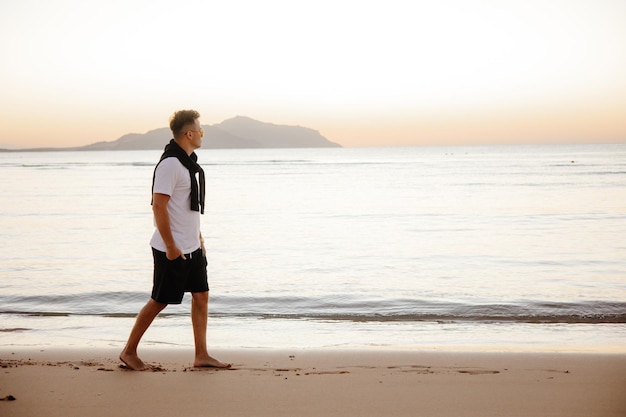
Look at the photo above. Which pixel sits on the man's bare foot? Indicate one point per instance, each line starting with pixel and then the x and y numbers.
pixel 210 362
pixel 133 362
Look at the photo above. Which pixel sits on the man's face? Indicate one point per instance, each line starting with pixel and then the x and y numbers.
pixel 197 134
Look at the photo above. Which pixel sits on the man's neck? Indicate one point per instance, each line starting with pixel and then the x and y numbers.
pixel 185 146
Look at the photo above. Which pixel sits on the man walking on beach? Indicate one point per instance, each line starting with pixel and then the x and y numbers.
pixel 177 243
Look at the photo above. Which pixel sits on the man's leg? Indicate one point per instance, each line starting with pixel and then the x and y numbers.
pixel 144 320
pixel 199 320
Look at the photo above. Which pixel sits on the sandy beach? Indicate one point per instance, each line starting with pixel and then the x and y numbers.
pixel 84 382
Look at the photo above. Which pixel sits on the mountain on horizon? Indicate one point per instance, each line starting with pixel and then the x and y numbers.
pixel 236 133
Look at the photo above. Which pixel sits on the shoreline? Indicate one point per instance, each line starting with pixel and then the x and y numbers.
pixel 316 382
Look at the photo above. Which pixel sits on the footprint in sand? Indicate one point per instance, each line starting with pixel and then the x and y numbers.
pixel 478 372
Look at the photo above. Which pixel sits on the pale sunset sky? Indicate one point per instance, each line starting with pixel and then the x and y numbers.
pixel 362 73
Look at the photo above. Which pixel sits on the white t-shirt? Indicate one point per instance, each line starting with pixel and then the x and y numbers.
pixel 172 178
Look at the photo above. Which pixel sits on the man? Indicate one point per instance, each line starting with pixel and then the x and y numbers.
pixel 177 243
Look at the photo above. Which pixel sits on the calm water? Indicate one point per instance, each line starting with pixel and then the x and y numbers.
pixel 426 248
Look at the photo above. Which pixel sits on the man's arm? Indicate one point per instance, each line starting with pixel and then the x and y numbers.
pixel 162 219
pixel 202 245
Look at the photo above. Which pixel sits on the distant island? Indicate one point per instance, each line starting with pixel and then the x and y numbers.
pixel 236 133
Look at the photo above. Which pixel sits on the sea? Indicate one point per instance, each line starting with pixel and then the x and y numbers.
pixel 482 248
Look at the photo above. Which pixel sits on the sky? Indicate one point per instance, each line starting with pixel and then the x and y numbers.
pixel 362 73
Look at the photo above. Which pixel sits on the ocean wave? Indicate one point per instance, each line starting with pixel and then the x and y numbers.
pixel 344 308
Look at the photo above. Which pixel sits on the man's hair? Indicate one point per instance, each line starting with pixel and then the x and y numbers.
pixel 182 119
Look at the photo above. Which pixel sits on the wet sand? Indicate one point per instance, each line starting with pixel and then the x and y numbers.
pixel 81 382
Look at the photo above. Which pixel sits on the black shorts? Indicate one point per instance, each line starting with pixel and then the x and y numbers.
pixel 172 279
